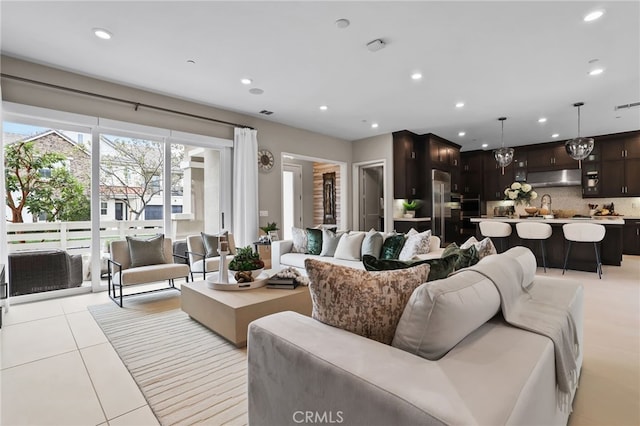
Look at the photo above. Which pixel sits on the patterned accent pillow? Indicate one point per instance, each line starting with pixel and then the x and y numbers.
pixel 416 243
pixel 330 241
pixel 484 247
pixel 392 246
pixel 464 257
pixel 366 303
pixel 372 243
pixel 314 241
pixel 299 237
pixel 145 252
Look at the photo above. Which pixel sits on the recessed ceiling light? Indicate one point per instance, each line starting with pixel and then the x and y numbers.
pixel 374 125
pixel 596 71
pixel 324 107
pixel 461 133
pixel 342 23
pixel 484 145
pixel 555 135
pixel 593 15
pixel 542 120
pixel 416 76
pixel 246 81
pixel 256 91
pixel 102 33
pixel 459 104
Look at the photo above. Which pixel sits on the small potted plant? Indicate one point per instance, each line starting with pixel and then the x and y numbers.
pixel 246 264
pixel 270 230
pixel 410 207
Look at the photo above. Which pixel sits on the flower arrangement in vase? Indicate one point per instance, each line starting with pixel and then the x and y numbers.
pixel 521 194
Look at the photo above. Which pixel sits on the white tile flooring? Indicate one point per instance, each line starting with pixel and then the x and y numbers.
pixel 59 369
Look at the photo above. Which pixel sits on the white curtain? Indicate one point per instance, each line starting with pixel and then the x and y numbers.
pixel 245 186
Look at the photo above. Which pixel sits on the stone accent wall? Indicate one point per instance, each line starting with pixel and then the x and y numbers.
pixel 318 170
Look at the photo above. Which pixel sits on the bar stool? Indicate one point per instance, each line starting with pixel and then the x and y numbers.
pixel 535 231
pixel 584 233
pixel 492 229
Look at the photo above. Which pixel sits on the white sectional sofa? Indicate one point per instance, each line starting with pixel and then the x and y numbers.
pixel 497 374
pixel 282 257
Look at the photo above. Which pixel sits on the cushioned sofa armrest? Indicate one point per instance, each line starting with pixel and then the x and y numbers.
pixel 299 365
pixel 278 248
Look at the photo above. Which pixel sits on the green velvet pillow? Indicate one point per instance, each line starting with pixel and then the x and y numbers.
pixel 440 267
pixel 314 241
pixel 392 246
pixel 146 251
pixel 210 243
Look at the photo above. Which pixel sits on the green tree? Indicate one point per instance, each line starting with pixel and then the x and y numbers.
pixel 131 171
pixel 58 196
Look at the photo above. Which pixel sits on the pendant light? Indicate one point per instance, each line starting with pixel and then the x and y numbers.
pixel 579 148
pixel 503 156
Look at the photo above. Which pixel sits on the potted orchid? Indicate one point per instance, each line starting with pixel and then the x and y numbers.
pixel 520 193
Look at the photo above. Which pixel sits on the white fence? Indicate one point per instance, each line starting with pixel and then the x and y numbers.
pixel 74 237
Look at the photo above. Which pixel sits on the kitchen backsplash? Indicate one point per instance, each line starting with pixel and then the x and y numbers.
pixel 570 198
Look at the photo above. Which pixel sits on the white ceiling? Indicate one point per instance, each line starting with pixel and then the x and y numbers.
pixel 522 60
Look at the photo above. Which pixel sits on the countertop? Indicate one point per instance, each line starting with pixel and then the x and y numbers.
pixel 603 220
pixel 412 219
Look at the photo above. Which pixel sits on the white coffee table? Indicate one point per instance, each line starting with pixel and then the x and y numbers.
pixel 229 313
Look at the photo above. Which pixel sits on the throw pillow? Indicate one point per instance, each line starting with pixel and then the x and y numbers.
pixel 484 247
pixel 442 313
pixel 330 241
pixel 416 243
pixel 464 257
pixel 392 246
pixel 366 303
pixel 439 267
pixel 146 251
pixel 299 237
pixel 349 246
pixel 372 243
pixel 314 241
pixel 210 243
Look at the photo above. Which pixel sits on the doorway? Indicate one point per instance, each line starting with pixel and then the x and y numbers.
pixel 371 196
pixel 291 199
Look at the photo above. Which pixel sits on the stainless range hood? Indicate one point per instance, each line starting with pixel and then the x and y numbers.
pixel 571 177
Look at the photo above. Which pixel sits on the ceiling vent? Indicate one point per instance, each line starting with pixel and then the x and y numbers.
pixel 376 45
pixel 266 112
pixel 627 106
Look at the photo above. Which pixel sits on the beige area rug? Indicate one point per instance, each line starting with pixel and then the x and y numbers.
pixel 188 374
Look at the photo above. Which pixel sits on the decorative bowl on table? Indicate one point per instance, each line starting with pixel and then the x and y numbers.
pixel 254 273
pixel 531 210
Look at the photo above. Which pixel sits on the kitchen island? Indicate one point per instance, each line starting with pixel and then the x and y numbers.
pixel 582 255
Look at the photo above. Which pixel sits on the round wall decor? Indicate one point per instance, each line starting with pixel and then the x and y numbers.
pixel 265 160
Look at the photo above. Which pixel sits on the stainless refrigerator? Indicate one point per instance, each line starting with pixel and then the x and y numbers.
pixel 441 202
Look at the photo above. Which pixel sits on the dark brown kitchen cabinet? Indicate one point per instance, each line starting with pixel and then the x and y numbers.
pixel 443 154
pixel 620 178
pixel 631 237
pixel 471 174
pixel 407 155
pixel 495 181
pixel 549 157
pixel 620 146
pixel 632 177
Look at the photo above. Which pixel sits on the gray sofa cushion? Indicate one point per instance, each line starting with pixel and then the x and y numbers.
pixel 210 244
pixel 441 313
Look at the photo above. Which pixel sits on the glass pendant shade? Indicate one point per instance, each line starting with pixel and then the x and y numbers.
pixel 503 156
pixel 579 148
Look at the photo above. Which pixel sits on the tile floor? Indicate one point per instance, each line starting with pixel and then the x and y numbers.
pixel 57 367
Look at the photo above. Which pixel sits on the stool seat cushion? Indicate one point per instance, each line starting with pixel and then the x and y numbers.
pixel 533 230
pixel 495 229
pixel 584 232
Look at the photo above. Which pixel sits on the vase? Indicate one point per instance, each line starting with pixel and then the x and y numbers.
pixel 410 214
pixel 520 209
